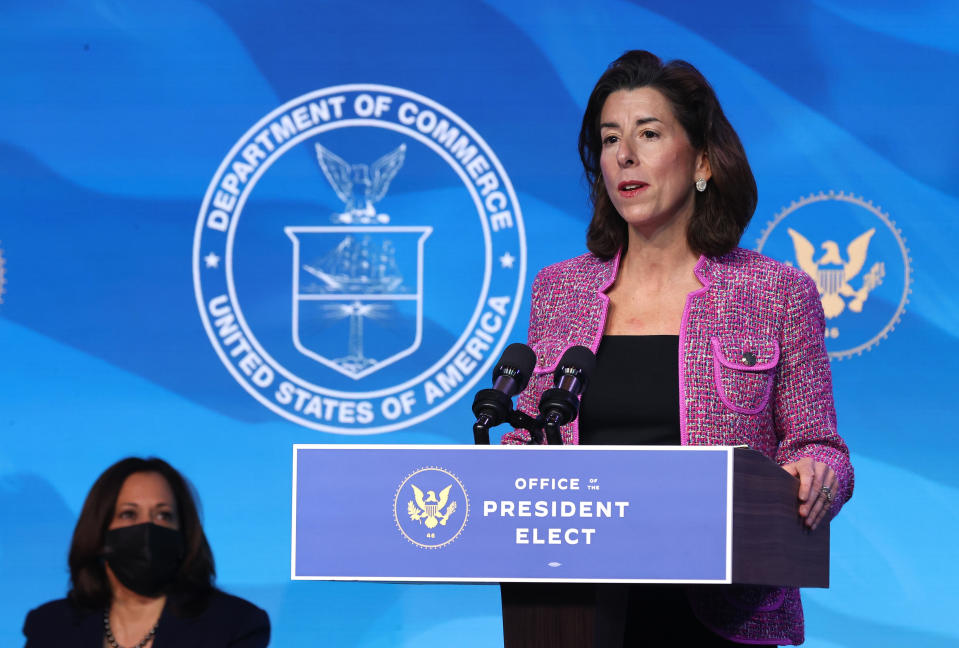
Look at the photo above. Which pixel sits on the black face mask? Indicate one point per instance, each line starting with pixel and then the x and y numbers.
pixel 144 557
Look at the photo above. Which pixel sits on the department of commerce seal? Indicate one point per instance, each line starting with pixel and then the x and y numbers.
pixel 359 259
pixel 431 507
pixel 858 258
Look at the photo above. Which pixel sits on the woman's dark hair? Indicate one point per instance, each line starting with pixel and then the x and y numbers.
pixel 721 213
pixel 90 587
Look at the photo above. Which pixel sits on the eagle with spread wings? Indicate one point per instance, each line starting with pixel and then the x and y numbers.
pixel 429 508
pixel 359 186
pixel 832 273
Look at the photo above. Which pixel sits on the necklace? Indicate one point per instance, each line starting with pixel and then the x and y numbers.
pixel 113 640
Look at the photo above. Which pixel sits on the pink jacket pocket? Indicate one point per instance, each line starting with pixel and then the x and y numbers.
pixel 744 369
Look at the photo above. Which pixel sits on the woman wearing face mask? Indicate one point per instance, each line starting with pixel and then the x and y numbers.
pixel 142 573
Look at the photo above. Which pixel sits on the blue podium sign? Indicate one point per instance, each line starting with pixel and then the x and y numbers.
pixel 500 513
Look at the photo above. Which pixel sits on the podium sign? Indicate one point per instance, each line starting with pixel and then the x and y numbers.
pixel 520 513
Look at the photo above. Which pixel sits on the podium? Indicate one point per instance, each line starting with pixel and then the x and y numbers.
pixel 549 514
pixel 770 546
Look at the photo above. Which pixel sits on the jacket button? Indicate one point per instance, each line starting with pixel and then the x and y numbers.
pixel 749 358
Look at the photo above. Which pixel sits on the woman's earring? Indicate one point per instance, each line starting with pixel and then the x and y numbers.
pixel 701 184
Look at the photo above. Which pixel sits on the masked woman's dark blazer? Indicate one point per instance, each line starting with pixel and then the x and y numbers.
pixel 226 621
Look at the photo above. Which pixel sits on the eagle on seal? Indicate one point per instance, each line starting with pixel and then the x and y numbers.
pixel 832 273
pixel 430 508
pixel 360 185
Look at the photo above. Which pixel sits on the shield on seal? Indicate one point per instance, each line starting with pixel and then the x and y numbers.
pixel 357 295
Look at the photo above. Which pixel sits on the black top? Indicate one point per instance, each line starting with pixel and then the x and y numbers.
pixel 633 399
pixel 227 622
pixel 633 395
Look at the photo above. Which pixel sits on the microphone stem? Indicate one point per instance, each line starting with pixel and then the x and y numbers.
pixel 481 430
pixel 553 435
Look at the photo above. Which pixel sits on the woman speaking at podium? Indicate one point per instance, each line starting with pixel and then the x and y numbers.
pixel 142 572
pixel 698 341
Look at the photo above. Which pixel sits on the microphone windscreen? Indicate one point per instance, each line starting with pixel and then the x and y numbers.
pixel 578 357
pixel 519 357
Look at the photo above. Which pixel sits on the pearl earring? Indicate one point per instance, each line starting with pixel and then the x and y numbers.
pixel 701 184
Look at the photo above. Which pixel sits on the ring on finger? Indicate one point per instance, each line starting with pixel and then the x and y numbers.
pixel 827 493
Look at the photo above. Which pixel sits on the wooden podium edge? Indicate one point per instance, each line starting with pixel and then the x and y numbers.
pixel 771 543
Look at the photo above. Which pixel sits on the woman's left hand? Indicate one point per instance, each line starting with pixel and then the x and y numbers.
pixel 817 486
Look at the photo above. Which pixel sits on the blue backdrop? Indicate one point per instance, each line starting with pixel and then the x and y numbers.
pixel 152 305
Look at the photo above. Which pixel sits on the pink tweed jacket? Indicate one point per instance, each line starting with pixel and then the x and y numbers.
pixel 753 371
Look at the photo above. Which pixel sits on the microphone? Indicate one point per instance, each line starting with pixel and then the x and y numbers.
pixel 560 405
pixel 510 376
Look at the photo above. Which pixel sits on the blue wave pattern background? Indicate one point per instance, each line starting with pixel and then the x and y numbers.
pixel 116 115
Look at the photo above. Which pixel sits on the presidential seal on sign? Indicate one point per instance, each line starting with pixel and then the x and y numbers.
pixel 359 259
pixel 858 259
pixel 431 507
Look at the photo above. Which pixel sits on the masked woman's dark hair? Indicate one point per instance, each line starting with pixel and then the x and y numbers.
pixel 720 213
pixel 90 589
